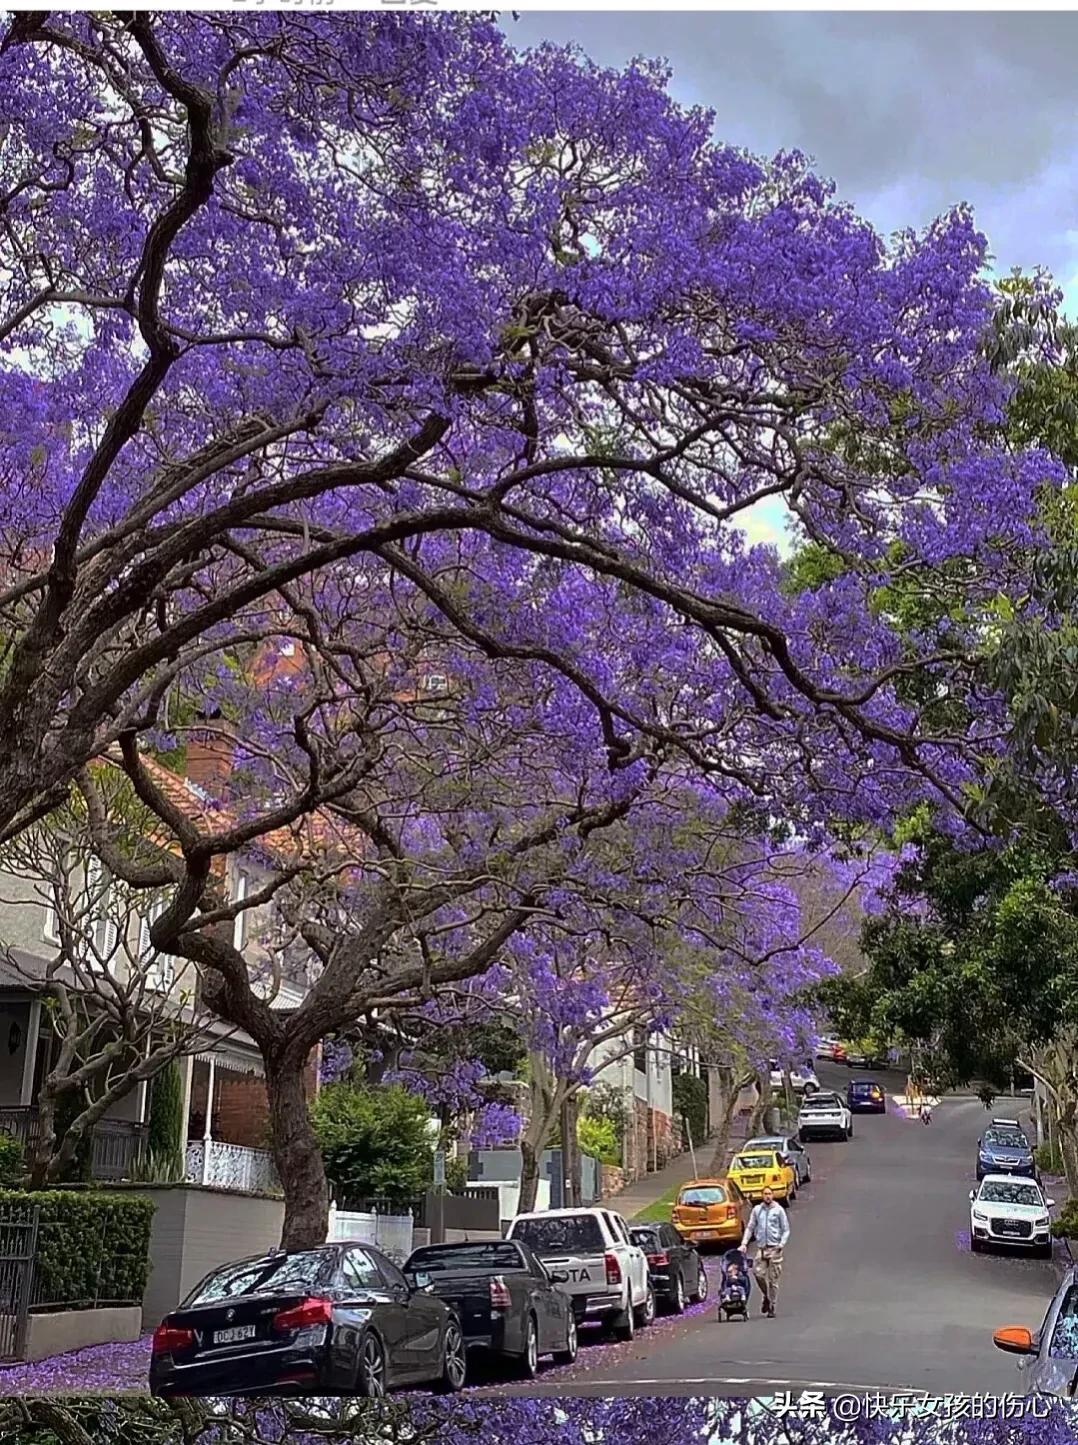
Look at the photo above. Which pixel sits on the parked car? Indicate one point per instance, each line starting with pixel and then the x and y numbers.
pixel 339 1318
pixel 828 1049
pixel 824 1115
pixel 506 1300
pixel 755 1170
pixel 793 1149
pixel 1004 1149
pixel 865 1096
pixel 710 1212
pixel 1010 1211
pixel 674 1264
pixel 803 1078
pixel 607 1275
pixel 1049 1360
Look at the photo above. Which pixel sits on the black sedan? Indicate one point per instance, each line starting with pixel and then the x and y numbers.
pixel 340 1319
pixel 507 1301
pixel 676 1269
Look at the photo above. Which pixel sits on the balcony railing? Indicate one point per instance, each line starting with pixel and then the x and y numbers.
pixel 231 1166
pixel 117 1144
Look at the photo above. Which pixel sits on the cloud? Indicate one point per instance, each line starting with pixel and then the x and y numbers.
pixel 910 113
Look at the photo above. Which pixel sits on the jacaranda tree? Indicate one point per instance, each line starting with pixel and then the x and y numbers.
pixel 345 352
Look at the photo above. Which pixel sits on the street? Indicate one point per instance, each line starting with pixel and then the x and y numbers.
pixel 879 1291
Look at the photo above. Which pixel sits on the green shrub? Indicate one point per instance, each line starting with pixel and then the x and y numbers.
pixel 1066 1225
pixel 375 1141
pixel 93 1247
pixel 165 1129
pixel 12 1160
pixel 1049 1160
pixel 690 1102
pixel 456 1174
pixel 598 1137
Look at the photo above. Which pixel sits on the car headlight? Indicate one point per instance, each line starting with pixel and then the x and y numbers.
pixel 1042 1221
pixel 985 1158
pixel 980 1214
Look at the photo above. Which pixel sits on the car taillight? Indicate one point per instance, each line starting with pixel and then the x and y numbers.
pixel 168 1339
pixel 311 1311
pixel 499 1294
pixel 613 1269
pixel 731 1211
pixel 661 1258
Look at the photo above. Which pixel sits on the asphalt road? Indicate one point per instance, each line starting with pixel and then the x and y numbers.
pixel 880 1290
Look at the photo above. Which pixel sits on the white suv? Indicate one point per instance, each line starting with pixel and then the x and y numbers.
pixel 824 1115
pixel 607 1275
pixel 1008 1210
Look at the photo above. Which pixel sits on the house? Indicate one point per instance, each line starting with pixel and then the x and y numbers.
pixel 226 1107
pixel 644 1077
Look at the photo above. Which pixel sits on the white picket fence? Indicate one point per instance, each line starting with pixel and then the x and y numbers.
pixel 393 1234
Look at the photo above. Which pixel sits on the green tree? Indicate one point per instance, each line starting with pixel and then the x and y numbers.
pixel 376 1141
pixel 164 1135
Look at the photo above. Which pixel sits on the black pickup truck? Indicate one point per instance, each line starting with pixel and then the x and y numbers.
pixel 505 1299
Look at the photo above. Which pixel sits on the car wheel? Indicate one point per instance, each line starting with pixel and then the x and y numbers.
pixel 371 1375
pixel 572 1344
pixel 703 1285
pixel 645 1313
pixel 624 1325
pixel 677 1298
pixel 529 1361
pixel 976 1245
pixel 454 1361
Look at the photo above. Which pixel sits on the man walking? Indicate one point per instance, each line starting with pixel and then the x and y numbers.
pixel 770 1228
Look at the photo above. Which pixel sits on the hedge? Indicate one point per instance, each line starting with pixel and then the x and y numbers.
pixel 92 1247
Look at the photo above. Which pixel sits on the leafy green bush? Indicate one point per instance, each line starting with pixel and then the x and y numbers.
pixel 93 1247
pixel 606 1101
pixel 12 1160
pixel 1066 1226
pixel 165 1132
pixel 375 1140
pixel 1049 1160
pixel 690 1102
pixel 456 1174
pixel 598 1137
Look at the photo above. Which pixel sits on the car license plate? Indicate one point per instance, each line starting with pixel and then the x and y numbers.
pixel 706 1233
pixel 237 1332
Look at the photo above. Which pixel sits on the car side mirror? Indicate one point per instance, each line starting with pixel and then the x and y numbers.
pixel 1049 1204
pixel 972 1195
pixel 559 1276
pixel 421 1282
pixel 1015 1340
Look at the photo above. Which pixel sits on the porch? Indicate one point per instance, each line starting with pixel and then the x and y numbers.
pixel 228 1123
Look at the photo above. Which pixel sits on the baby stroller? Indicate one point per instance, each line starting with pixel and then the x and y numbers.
pixel 735 1285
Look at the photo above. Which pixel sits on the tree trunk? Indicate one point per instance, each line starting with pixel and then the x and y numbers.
pixel 763 1103
pixel 730 1089
pixel 529 1177
pixel 296 1154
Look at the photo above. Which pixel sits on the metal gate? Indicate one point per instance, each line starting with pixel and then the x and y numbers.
pixel 18 1244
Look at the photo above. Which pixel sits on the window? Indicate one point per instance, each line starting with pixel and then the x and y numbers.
pixel 360 1271
pixel 647 1239
pixel 499 1257
pixel 754 1161
pixel 239 927
pixel 159 969
pixel 1064 1344
pixel 390 1273
pixel 712 1194
pixel 640 1050
pixel 1012 1192
pixel 561 1234
pixel 269 1275
pixel 106 931
pixel 51 929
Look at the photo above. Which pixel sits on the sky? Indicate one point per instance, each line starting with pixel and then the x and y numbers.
pixel 909 113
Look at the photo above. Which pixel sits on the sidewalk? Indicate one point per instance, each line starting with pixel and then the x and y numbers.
pixel 653 1187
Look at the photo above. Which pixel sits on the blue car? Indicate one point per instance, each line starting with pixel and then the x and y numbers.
pixel 1004 1149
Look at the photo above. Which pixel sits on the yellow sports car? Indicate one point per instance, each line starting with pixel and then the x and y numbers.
pixel 764 1169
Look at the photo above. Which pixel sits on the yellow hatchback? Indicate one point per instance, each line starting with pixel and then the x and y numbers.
pixel 764 1169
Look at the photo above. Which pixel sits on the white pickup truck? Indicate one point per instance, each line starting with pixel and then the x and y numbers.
pixel 607 1274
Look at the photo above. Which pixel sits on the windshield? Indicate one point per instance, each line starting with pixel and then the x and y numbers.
pixel 496 1256
pixel 754 1161
pixel 564 1234
pixel 820 1101
pixel 1005 1139
pixel 780 1145
pixel 284 1275
pixel 865 1088
pixel 713 1194
pixel 645 1238
pixel 1064 1344
pixel 1008 1191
